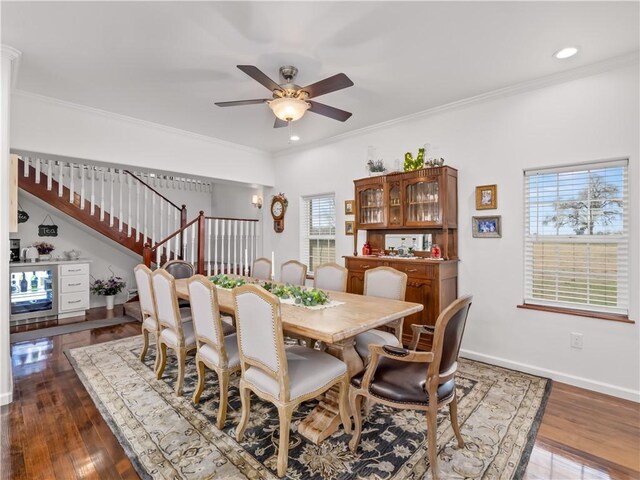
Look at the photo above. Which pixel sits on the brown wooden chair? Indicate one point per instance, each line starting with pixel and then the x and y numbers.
pixel 403 378
pixel 283 376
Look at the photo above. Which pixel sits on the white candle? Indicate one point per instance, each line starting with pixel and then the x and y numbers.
pixel 246 261
pixel 273 266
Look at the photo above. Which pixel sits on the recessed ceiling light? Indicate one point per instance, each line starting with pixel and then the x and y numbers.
pixel 566 52
pixel 294 138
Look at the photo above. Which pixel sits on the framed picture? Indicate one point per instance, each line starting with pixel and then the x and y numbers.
pixel 487 227
pixel 348 228
pixel 349 208
pixel 486 197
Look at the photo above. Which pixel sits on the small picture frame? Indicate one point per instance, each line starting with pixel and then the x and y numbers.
pixel 487 227
pixel 349 227
pixel 349 208
pixel 487 197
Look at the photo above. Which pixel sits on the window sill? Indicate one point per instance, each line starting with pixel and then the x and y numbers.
pixel 580 313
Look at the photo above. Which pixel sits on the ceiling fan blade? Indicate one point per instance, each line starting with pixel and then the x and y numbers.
pixel 327 111
pixel 279 123
pixel 328 85
pixel 259 76
pixel 242 102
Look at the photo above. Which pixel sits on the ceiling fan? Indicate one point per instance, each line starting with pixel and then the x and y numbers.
pixel 290 101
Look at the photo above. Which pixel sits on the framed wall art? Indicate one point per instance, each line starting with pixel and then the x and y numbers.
pixel 486 197
pixel 349 208
pixel 348 227
pixel 487 227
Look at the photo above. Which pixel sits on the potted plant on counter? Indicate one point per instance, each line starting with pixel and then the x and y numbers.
pixel 108 288
pixel 44 250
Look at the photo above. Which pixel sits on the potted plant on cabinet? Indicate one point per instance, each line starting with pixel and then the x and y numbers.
pixel 108 288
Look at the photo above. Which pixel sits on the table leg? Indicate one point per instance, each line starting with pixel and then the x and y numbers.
pixel 324 420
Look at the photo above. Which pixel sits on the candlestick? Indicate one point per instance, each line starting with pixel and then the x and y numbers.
pixel 273 266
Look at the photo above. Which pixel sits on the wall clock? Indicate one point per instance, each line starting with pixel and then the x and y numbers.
pixel 278 208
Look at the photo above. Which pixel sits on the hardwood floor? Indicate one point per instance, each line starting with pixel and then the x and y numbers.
pixel 53 430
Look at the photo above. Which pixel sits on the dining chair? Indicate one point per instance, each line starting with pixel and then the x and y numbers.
pixel 147 309
pixel 179 268
pixel 215 350
pixel 330 276
pixel 283 376
pixel 407 379
pixel 174 333
pixel 383 282
pixel 261 269
pixel 293 272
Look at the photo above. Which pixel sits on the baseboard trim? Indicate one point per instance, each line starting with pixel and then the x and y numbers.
pixel 6 398
pixel 574 380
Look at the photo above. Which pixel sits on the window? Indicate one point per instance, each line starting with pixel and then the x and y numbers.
pixel 318 232
pixel 576 237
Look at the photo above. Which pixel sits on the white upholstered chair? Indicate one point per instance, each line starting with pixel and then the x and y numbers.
pixel 330 276
pixel 261 268
pixel 284 377
pixel 215 350
pixel 293 272
pixel 383 282
pixel 173 332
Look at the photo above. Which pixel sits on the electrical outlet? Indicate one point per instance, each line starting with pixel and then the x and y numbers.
pixel 576 340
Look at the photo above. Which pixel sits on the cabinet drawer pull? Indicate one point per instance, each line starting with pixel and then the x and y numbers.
pixel 74 301
pixel 75 284
pixel 75 270
pixel 411 270
pixel 366 266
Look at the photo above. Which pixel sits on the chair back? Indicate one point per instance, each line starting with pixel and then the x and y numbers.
pixel 168 312
pixel 145 292
pixel 260 337
pixel 293 272
pixel 330 276
pixel 261 268
pixel 385 282
pixel 205 313
pixel 447 338
pixel 179 269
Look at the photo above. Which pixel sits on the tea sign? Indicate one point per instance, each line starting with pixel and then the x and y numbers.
pixel 47 230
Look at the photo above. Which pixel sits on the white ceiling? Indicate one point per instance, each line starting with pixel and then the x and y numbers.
pixel 167 62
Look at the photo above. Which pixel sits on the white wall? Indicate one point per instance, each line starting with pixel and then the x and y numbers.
pixel 592 118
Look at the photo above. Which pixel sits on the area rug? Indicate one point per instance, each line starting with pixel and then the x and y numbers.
pixel 69 328
pixel 168 437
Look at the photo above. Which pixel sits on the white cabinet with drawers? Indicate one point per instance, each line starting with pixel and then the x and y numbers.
pixel 73 289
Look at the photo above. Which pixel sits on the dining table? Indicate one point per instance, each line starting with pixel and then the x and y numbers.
pixel 336 325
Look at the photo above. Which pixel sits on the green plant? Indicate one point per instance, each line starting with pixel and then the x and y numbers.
pixel 224 281
pixel 411 164
pixel 376 165
pixel 111 286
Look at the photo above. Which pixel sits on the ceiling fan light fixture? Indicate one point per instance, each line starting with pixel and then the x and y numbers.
pixel 288 109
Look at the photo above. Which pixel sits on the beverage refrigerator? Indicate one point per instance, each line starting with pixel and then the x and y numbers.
pixel 33 290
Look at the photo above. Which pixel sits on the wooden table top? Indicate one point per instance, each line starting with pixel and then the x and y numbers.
pixel 356 315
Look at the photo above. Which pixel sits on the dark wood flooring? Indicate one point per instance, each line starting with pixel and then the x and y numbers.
pixel 53 430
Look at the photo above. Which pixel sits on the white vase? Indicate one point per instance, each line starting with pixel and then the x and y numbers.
pixel 110 300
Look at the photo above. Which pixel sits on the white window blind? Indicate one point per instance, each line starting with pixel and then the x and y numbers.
pixel 318 232
pixel 576 252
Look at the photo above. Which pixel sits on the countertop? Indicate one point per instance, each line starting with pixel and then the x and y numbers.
pixel 389 258
pixel 48 262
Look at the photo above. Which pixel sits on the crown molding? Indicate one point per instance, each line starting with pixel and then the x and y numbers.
pixel 137 121
pixel 14 55
pixel 529 85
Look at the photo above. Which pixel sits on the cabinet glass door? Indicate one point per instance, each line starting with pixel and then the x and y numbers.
pixel 371 206
pixel 422 203
pixel 32 291
pixel 395 205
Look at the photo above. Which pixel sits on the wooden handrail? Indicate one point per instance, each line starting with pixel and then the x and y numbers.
pixel 154 190
pixel 228 218
pixel 177 232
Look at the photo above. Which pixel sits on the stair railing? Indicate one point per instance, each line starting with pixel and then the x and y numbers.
pixel 212 245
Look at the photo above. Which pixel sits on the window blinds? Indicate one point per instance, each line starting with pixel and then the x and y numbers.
pixel 318 232
pixel 576 252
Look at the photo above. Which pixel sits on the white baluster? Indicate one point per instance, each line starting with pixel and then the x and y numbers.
pixel 38 170
pixel 82 192
pixel 222 252
pixel 146 209
pixel 193 240
pixel 120 183
pixel 102 180
pixel 93 190
pixel 71 182
pixel 242 259
pixel 158 256
pixel 176 224
pixel 215 249
pixel 161 216
pixel 169 230
pixel 208 256
pixel 229 246
pixel 253 253
pixel 60 179
pixel 49 179
pixel 25 161
pixel 138 232
pixel 153 219
pixel 129 207
pixel 112 210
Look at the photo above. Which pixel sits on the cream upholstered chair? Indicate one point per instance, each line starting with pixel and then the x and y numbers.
pixel 330 276
pixel 426 381
pixel 383 282
pixel 173 332
pixel 293 272
pixel 261 268
pixel 215 350
pixel 284 377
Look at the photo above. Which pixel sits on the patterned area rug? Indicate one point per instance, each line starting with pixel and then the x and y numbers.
pixel 168 437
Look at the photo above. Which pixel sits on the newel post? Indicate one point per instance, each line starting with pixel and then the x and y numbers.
pixel 201 222
pixel 146 255
pixel 183 222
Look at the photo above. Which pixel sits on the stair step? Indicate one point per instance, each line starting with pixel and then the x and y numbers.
pixel 133 310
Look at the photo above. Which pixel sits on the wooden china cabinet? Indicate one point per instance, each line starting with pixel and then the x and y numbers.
pixel 420 202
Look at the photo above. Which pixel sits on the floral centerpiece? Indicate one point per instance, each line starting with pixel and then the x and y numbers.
pixel 108 288
pixel 224 281
pixel 44 249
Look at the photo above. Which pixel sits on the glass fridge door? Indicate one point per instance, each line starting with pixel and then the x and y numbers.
pixel 32 291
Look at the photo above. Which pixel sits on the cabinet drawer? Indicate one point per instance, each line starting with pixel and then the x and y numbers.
pixel 73 301
pixel 364 264
pixel 412 270
pixel 73 283
pixel 74 269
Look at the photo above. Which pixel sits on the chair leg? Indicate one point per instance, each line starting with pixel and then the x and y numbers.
pixel 200 386
pixel 162 363
pixel 432 440
pixel 145 344
pixel 345 414
pixel 156 365
pixel 355 401
pixel 223 380
pixel 245 400
pixel 182 360
pixel 284 412
pixel 453 413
